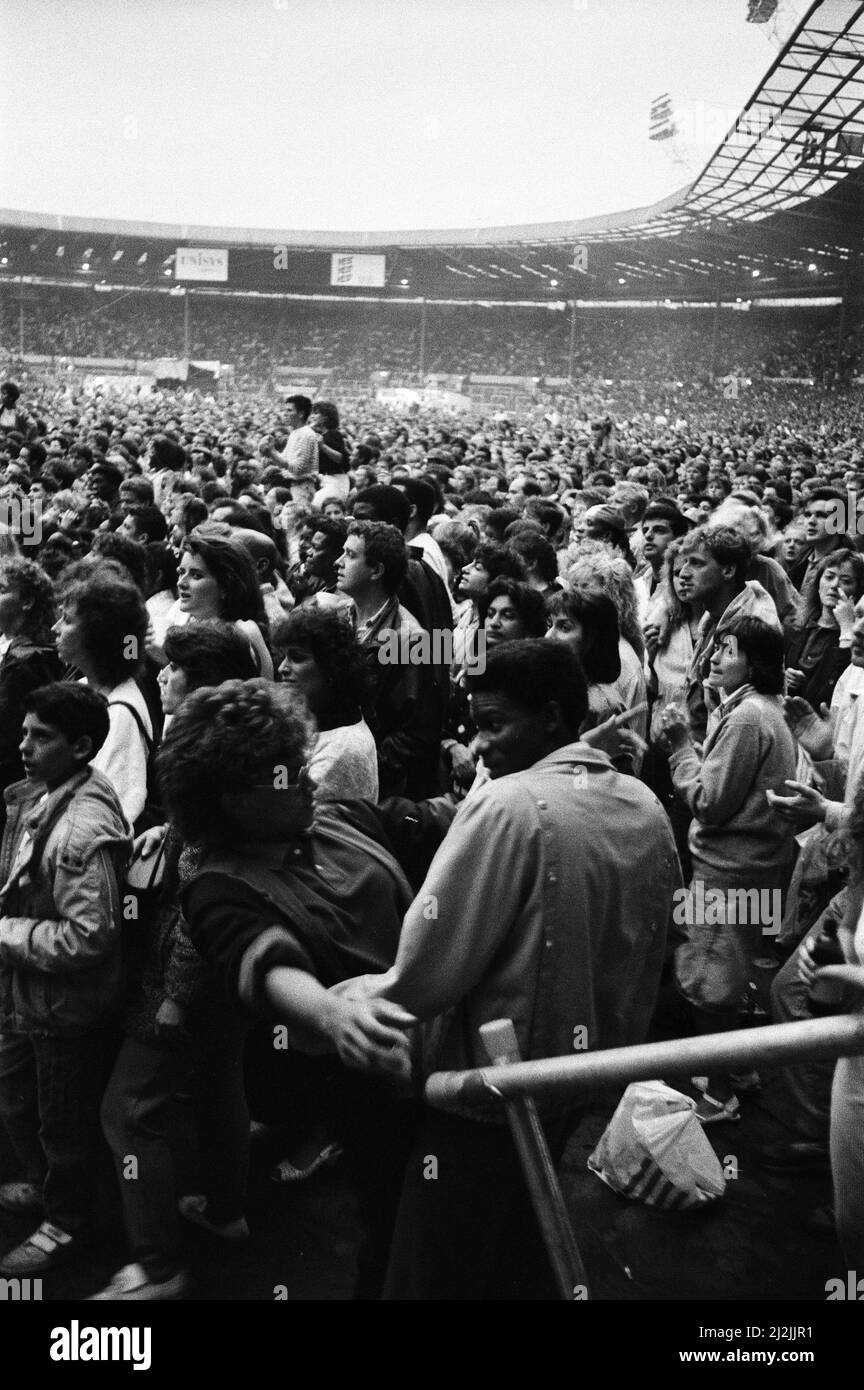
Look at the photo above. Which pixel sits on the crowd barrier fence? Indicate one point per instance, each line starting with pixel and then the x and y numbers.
pixel 514 1084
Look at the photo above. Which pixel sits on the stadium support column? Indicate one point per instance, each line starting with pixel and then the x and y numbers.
pixel 841 327
pixel 21 317
pixel 422 363
pixel 186 323
pixel 572 349
pixel 715 328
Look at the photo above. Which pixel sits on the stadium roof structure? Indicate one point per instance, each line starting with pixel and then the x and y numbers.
pixel 778 210
pixel 802 131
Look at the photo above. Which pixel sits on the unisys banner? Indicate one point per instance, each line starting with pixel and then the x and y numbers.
pixel 201 263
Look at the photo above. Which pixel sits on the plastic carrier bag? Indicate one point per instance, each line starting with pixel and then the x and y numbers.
pixel 654 1150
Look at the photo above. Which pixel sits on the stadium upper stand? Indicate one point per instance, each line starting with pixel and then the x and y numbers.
pixel 775 216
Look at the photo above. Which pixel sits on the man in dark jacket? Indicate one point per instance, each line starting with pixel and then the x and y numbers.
pixel 822 536
pixel 421 591
pixel 406 706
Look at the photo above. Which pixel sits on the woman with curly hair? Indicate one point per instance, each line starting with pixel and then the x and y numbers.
pixel 30 658
pixel 200 654
pixel 610 574
pixel 593 567
pixel 510 610
pixel 325 664
pixel 333 456
pixel 288 900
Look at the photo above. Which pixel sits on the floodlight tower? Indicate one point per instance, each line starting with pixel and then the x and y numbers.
pixel 663 128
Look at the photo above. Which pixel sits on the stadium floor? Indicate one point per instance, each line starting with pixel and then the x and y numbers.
pixel 752 1245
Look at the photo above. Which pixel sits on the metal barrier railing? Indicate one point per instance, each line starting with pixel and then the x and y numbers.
pixel 510 1082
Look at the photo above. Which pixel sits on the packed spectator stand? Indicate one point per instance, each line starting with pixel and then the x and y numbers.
pixel 637 345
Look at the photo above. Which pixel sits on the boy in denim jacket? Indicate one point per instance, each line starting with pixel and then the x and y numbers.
pixel 63 851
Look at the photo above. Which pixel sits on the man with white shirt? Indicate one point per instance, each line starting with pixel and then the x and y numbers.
pixel 300 458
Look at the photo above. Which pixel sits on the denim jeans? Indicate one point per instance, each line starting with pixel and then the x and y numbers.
pixel 50 1092
pixel 807 1084
pixel 139 1116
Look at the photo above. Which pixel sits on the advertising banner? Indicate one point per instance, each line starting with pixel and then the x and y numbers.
pixel 201 263
pixel 364 272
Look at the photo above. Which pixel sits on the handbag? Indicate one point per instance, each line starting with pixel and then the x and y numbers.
pixel 142 890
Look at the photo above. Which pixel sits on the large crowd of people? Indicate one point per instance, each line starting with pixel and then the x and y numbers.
pixel 329 734
pixel 349 341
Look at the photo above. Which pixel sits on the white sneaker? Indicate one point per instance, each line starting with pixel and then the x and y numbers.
pixel 133 1282
pixel 44 1248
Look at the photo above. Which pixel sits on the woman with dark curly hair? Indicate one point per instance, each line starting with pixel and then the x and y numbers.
pixel 333 457
pixel 288 900
pixel 30 659
pixel 324 662
pixel 510 610
pixel 217 579
pixel 202 654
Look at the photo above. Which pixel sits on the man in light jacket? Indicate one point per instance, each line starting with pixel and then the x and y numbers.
pixel 547 903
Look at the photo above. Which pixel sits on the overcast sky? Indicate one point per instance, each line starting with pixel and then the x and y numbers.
pixel 363 114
